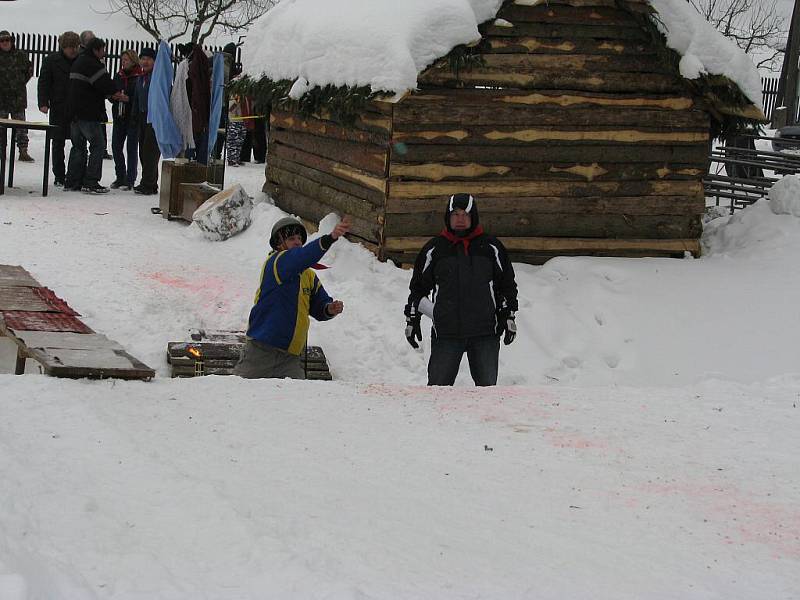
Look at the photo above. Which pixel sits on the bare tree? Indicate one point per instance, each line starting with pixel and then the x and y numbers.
pixel 755 25
pixel 192 19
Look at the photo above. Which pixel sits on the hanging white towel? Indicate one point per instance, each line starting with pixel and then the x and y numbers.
pixel 179 104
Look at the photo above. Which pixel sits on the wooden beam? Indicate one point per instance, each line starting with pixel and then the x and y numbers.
pixel 695 155
pixel 567 31
pixel 547 98
pixel 556 244
pixel 440 74
pixel 442 190
pixel 535 223
pixel 543 170
pixel 524 135
pixel 294 122
pixel 332 167
pixel 342 202
pixel 588 205
pixel 564 46
pixel 413 116
pixel 576 62
pixel 367 157
pixel 353 189
pixel 313 209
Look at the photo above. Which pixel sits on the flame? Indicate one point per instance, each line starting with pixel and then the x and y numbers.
pixel 195 352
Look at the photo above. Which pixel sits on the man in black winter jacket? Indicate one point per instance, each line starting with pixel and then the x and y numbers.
pixel 90 85
pixel 53 90
pixel 471 282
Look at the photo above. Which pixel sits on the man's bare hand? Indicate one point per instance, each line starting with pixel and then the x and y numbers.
pixel 341 228
pixel 335 308
pixel 44 109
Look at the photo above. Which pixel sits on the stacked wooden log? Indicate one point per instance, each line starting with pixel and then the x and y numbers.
pixel 317 166
pixel 575 134
pixel 217 352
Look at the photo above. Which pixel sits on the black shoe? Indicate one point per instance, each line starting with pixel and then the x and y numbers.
pixel 117 184
pixel 145 191
pixel 58 183
pixel 72 188
pixel 107 156
pixel 94 189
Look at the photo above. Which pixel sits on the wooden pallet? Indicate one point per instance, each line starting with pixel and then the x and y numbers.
pixel 47 330
pixel 217 352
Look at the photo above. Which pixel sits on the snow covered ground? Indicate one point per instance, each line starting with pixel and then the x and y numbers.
pixel 642 444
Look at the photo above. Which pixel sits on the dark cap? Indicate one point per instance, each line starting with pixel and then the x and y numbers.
pixel 147 52
pixel 5 35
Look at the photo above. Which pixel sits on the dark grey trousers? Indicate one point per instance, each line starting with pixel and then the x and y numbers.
pixel 80 170
pixel 446 353
pixel 259 361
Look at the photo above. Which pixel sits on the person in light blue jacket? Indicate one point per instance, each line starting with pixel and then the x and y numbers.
pixel 288 294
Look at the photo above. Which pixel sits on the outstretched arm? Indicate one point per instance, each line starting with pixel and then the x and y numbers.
pixel 293 262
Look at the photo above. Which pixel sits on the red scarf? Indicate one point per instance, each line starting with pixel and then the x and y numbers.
pixel 455 239
pixel 136 71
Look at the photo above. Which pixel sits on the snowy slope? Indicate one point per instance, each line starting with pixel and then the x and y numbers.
pixel 227 489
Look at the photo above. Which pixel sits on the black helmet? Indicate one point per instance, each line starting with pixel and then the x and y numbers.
pixel 286 227
pixel 467 203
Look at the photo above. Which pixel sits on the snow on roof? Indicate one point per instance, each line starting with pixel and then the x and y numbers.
pixel 385 44
pixel 704 49
pixel 381 43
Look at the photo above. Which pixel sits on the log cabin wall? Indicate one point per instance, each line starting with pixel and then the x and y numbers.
pixel 575 137
pixel 316 166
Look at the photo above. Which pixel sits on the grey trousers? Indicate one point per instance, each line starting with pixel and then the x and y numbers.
pixel 259 361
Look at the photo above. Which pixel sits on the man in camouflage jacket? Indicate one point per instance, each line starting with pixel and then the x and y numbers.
pixel 15 71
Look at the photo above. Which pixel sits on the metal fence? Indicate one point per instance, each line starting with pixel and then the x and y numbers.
pixel 38 46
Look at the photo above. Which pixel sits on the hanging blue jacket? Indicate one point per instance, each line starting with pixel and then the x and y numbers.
pixel 288 293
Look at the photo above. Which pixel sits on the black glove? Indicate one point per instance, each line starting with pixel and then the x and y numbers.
pixel 413 329
pixel 507 323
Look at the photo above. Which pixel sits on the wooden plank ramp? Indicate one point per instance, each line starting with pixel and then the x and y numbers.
pixel 217 352
pixel 47 330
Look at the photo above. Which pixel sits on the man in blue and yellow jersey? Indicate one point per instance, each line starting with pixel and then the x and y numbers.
pixel 288 294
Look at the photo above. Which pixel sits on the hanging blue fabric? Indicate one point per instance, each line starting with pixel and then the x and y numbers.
pixel 217 97
pixel 159 116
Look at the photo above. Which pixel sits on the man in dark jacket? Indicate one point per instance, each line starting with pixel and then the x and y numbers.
pixel 474 296
pixel 90 85
pixel 15 71
pixel 53 92
pixel 149 153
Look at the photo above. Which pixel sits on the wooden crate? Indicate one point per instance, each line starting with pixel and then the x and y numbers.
pixel 194 195
pixel 174 174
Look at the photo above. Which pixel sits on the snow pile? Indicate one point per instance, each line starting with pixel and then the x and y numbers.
pixel 706 50
pixel 380 43
pixel 784 196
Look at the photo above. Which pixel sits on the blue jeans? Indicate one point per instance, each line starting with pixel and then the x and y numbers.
pixel 80 171
pixel 482 353
pixel 121 133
